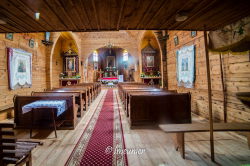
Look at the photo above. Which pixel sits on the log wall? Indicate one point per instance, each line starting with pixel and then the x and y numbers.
pixel 236 69
pixel 38 67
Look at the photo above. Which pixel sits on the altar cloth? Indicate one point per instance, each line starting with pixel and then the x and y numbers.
pixel 59 105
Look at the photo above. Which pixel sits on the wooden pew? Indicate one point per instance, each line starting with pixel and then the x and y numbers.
pixel 13 151
pixel 23 120
pixel 127 93
pixel 180 129
pixel 158 107
pixel 122 89
pixel 89 88
pixel 83 91
pixel 78 98
pixel 96 87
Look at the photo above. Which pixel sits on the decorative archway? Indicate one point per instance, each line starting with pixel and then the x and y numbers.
pixel 143 41
pixel 127 69
pixel 56 37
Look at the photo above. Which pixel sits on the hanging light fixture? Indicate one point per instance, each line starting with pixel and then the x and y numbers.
pixel 37 16
pixel 181 16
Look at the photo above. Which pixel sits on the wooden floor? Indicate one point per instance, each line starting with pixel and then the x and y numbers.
pixel 230 148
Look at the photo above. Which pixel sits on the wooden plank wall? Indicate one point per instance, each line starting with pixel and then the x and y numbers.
pixel 236 67
pixel 38 67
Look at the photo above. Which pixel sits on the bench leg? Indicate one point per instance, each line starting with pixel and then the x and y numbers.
pixel 31 121
pixel 248 139
pixel 29 162
pixel 54 121
pixel 180 143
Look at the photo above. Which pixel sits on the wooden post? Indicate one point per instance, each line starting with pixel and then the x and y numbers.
pixel 223 90
pixel 209 98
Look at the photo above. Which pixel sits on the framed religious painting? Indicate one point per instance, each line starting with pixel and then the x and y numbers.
pixel 111 61
pixel 193 33
pixel 9 36
pixel 31 43
pixel 176 40
pixel 70 64
pixel 19 68
pixel 150 61
pixel 186 66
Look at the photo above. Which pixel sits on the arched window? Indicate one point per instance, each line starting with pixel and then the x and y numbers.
pixel 95 56
pixel 125 55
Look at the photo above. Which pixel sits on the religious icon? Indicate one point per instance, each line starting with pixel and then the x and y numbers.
pixel 9 36
pixel 70 64
pixel 193 33
pixel 31 43
pixel 176 40
pixel 21 66
pixel 110 61
pixel 184 64
pixel 150 61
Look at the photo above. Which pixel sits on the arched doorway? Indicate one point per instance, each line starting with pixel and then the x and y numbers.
pixel 112 62
pixel 151 59
pixel 64 43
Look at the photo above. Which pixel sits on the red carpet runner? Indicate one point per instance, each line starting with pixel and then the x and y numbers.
pixel 102 142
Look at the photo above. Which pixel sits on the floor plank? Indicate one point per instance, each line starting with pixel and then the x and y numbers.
pixel 230 148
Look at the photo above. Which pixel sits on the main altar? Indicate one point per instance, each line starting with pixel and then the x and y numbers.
pixel 110 73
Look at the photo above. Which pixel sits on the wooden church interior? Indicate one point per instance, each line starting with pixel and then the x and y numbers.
pixel 107 82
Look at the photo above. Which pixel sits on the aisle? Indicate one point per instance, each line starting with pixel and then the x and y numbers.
pixel 102 140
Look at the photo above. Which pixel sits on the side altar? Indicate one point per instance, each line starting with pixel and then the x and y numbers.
pixel 70 75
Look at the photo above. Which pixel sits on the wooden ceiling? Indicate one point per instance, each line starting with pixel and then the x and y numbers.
pixel 104 15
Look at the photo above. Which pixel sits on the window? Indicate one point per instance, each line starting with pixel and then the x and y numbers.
pixel 95 56
pixel 125 55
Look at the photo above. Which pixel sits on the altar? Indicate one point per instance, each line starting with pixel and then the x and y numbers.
pixel 105 80
pixel 109 75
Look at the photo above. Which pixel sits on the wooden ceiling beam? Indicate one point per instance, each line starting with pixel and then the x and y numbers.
pixel 109 14
pixel 231 17
pixel 56 14
pixel 96 14
pixel 23 16
pixel 12 18
pixel 62 7
pixel 156 14
pixel 10 28
pixel 120 15
pixel 167 22
pixel 199 22
pixel 30 12
pixel 85 13
pixel 196 14
pixel 150 6
pixel 135 13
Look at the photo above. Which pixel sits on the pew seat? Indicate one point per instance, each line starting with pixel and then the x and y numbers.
pixel 180 129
